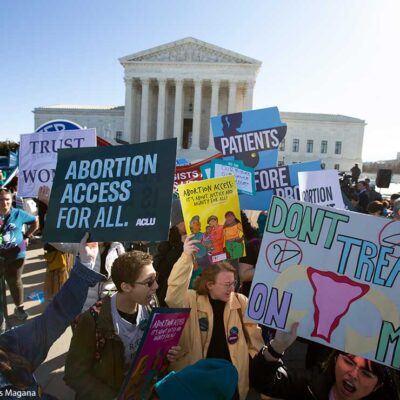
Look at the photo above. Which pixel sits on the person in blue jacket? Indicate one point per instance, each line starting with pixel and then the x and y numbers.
pixel 24 348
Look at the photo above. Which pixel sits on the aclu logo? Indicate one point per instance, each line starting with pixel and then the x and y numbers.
pixel 145 221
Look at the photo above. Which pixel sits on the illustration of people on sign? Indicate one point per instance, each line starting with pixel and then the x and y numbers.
pixel 217 237
pixel 207 239
pixel 201 255
pixel 233 236
pixel 230 125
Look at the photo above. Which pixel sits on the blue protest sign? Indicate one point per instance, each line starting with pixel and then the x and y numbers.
pixel 281 181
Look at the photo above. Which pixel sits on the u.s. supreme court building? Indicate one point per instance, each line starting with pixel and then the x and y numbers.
pixel 172 91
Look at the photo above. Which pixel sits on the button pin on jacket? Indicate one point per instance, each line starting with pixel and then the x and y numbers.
pixel 233 335
pixel 203 323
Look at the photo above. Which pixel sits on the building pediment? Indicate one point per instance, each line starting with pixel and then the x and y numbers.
pixel 188 50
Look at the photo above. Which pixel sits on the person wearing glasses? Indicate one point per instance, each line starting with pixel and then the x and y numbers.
pixel 343 376
pixel 217 327
pixel 107 336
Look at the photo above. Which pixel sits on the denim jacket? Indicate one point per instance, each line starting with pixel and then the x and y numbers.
pixel 33 339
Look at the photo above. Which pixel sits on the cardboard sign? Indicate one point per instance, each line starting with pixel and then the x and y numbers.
pixel 164 329
pixel 38 156
pixel 212 215
pixel 336 272
pixel 118 193
pixel 321 187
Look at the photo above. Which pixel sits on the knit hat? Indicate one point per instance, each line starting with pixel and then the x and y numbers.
pixel 176 212
pixel 211 379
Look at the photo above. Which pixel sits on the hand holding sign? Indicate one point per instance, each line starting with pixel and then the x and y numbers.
pixel 88 251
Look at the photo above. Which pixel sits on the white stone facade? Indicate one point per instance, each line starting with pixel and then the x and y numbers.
pixel 336 140
pixel 108 121
pixel 172 91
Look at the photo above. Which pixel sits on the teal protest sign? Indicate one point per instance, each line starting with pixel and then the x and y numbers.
pixel 117 193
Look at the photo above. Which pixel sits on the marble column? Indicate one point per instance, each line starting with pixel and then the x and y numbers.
pixel 232 97
pixel 129 134
pixel 249 95
pixel 161 108
pixel 196 115
pixel 213 109
pixel 144 112
pixel 178 111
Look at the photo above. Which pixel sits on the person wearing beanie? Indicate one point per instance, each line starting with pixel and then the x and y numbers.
pixel 217 327
pixel 211 379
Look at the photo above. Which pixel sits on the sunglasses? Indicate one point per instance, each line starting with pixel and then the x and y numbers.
pixel 149 282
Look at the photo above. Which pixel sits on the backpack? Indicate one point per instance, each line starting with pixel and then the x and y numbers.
pixel 100 338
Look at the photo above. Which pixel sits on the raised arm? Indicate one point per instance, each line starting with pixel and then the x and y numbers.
pixel 178 281
pixel 34 339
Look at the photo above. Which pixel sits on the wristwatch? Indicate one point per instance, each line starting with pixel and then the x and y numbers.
pixel 271 351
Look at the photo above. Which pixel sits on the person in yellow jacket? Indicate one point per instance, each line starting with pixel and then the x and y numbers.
pixel 217 327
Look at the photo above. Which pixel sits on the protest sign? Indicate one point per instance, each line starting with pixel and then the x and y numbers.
pixel 38 156
pixel 150 364
pixel 117 193
pixel 253 137
pixel 191 172
pixel 212 215
pixel 280 181
pixel 244 175
pixel 321 187
pixel 334 271
pixel 248 135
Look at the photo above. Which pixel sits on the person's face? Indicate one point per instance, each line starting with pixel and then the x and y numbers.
pixel 360 186
pixel 140 292
pixel 354 380
pixel 223 286
pixel 213 222
pixel 195 225
pixel 5 202
pixel 229 218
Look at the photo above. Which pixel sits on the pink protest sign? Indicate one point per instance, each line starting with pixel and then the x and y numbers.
pixel 164 329
pixel 336 272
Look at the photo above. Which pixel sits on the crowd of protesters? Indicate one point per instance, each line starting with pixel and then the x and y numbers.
pixel 113 288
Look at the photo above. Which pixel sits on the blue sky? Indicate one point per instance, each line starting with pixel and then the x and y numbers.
pixel 327 56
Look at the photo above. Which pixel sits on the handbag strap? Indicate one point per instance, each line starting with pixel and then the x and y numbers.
pixel 5 222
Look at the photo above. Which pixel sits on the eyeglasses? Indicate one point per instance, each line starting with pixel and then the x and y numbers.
pixel 349 364
pixel 227 285
pixel 149 282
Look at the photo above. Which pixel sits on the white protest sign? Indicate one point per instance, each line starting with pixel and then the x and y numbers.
pixel 337 272
pixel 38 156
pixel 244 175
pixel 321 187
